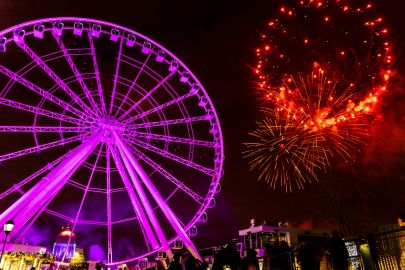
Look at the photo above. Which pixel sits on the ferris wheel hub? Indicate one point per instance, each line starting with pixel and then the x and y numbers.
pixel 110 124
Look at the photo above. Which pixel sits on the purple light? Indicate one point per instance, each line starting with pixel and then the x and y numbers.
pixel 58 28
pixel 173 66
pixel 39 31
pixel 194 89
pixel 96 253
pixel 3 42
pixel 160 56
pixel 146 47
pixel 115 34
pixel 130 40
pixel 203 101
pixel 96 30
pixel 78 29
pixel 184 77
pixel 19 35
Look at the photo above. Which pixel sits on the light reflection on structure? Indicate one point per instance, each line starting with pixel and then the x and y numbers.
pixel 62 244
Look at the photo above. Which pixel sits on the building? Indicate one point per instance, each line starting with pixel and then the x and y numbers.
pixel 65 244
pixel 20 257
pixel 265 234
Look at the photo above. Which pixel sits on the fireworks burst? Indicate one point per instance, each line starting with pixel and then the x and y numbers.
pixel 322 67
pixel 284 148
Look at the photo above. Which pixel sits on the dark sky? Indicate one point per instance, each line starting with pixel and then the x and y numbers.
pixel 216 39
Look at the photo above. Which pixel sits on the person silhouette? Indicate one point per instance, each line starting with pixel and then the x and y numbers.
pixel 338 254
pixel 175 264
pixel 250 262
pixel 309 256
pixel 191 263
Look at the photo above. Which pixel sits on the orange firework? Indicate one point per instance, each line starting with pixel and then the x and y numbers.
pixel 284 149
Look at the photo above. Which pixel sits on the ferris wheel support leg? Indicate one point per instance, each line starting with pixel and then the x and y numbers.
pixel 32 201
pixel 109 218
pixel 143 221
pixel 82 201
pixel 144 199
pixel 157 197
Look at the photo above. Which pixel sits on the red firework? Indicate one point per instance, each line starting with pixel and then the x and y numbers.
pixel 326 63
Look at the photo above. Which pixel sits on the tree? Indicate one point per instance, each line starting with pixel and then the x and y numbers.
pixel 78 261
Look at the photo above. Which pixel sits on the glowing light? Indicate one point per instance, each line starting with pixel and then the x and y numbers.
pixel 66 233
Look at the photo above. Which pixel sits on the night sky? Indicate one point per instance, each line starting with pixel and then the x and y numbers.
pixel 216 40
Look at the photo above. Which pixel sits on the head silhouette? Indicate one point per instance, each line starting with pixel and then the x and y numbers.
pixel 177 256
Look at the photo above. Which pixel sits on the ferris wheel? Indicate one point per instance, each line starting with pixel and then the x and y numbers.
pixel 106 130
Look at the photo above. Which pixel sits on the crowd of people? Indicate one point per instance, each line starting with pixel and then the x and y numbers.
pixel 279 256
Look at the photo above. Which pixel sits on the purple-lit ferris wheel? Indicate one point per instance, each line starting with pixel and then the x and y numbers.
pixel 104 129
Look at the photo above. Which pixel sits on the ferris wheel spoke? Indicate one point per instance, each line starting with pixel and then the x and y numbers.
pixel 17 187
pixel 160 107
pixel 51 129
pixel 170 215
pixel 22 71
pixel 97 73
pixel 76 72
pixel 40 148
pixel 174 157
pixel 169 122
pixel 43 112
pixel 117 69
pixel 32 201
pixel 55 77
pixel 143 197
pixel 147 232
pixel 138 134
pixel 179 184
pixel 45 94
pixel 59 215
pixel 133 84
pixel 147 95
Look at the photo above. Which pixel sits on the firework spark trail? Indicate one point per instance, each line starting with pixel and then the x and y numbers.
pixel 284 147
pixel 322 67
